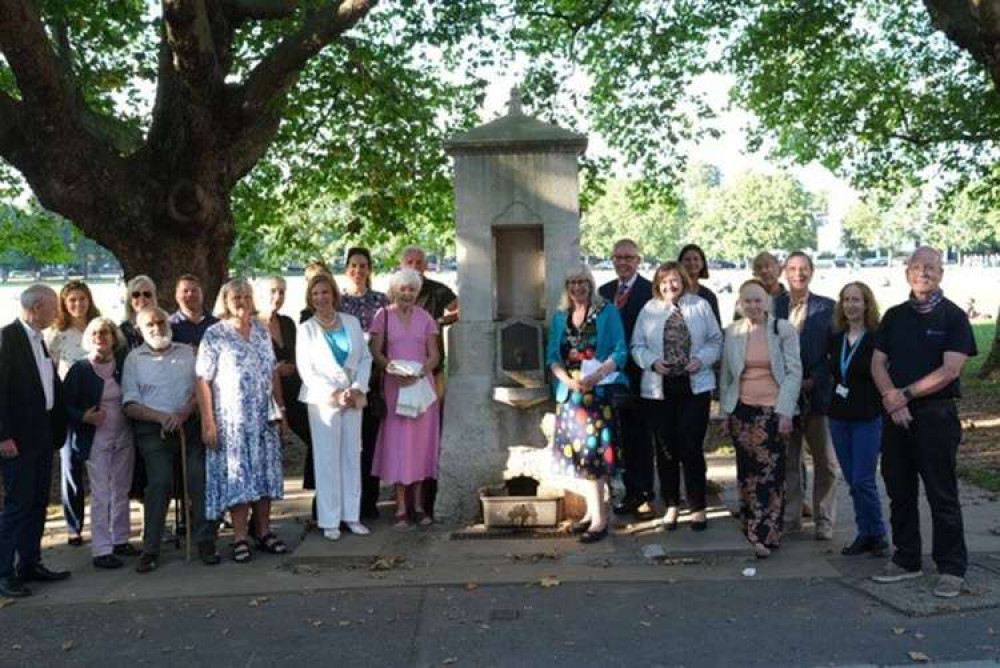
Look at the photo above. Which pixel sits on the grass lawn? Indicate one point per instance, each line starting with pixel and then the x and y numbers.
pixel 979 455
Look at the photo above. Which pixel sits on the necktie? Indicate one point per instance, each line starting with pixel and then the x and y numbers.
pixel 622 295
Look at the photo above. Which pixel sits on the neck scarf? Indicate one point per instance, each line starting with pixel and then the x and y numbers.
pixel 926 306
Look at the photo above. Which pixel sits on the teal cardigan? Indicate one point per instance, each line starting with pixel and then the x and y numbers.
pixel 610 343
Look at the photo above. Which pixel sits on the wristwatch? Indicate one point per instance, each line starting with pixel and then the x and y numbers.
pixel 907 394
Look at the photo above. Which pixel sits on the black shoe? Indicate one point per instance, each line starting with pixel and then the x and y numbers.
pixel 627 506
pixel 594 536
pixel 75 541
pixel 699 526
pixel 147 563
pixel 578 528
pixel 126 550
pixel 39 573
pixel 369 513
pixel 13 588
pixel 108 561
pixel 208 554
pixel 879 546
pixel 861 545
pixel 645 511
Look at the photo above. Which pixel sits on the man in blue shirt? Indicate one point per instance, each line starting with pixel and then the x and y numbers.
pixel 190 320
pixel 920 349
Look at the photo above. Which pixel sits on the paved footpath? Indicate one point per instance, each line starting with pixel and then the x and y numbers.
pixel 641 598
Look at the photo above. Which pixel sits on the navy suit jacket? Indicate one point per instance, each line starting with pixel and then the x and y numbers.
pixel 813 341
pixel 642 292
pixel 83 390
pixel 22 399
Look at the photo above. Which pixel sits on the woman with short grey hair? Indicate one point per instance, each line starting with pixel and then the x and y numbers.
pixel 101 437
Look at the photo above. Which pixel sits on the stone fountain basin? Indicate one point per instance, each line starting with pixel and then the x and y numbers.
pixel 521 397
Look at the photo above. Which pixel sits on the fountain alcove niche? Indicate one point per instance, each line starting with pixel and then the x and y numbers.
pixel 517 231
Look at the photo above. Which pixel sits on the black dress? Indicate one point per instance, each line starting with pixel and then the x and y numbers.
pixel 295 411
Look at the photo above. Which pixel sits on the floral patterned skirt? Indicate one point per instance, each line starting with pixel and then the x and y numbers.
pixel 760 472
pixel 584 445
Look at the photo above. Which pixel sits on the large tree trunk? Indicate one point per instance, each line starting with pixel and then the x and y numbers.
pixel 991 365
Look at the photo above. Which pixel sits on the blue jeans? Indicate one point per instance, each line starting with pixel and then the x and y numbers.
pixel 858 443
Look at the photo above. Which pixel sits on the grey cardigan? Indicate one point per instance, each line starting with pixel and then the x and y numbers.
pixel 786 367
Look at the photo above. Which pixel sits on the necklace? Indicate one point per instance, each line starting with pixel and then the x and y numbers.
pixel 327 323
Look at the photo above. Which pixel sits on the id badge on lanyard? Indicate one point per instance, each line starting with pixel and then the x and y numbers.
pixel 845 363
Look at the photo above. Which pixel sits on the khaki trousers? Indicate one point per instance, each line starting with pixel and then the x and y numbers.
pixel 815 431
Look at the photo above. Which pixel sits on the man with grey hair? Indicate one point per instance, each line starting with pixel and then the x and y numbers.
pixel 920 349
pixel 32 428
pixel 158 394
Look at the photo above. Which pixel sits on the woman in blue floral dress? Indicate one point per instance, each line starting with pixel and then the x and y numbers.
pixel 236 385
pixel 586 348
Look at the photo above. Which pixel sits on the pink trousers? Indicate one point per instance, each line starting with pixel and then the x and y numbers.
pixel 109 470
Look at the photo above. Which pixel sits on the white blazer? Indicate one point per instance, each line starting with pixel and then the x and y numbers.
pixel 647 342
pixel 318 368
pixel 786 365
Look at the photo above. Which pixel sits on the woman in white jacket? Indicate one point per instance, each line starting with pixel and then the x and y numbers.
pixel 675 342
pixel 334 363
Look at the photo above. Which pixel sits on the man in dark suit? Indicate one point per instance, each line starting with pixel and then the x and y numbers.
pixel 629 293
pixel 32 428
pixel 812 315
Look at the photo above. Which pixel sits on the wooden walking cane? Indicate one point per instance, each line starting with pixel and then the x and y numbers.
pixel 186 494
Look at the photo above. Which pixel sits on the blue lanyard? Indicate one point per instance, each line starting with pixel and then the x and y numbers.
pixel 845 358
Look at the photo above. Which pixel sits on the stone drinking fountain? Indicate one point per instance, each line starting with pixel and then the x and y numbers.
pixel 517 231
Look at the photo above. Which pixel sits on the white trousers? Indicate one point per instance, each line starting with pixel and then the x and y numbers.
pixel 336 446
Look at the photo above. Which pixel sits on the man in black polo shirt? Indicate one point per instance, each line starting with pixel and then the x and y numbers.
pixel 920 349
pixel 189 322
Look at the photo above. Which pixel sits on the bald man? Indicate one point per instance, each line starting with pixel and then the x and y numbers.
pixel 920 349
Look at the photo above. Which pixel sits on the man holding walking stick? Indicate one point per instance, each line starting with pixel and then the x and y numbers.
pixel 158 393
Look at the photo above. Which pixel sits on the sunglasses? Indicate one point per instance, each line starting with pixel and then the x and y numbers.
pixel 143 293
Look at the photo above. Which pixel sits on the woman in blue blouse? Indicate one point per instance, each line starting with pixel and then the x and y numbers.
pixel 335 364
pixel 585 351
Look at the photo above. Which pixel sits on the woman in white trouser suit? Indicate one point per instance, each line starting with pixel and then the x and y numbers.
pixel 334 363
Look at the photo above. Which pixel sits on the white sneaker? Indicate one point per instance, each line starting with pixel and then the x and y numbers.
pixel 894 573
pixel 357 528
pixel 331 534
pixel 949 586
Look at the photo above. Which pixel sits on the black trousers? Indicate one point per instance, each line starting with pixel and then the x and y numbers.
pixel 26 480
pixel 636 449
pixel 925 451
pixel 369 482
pixel 677 426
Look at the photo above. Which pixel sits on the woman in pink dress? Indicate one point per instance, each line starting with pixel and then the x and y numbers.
pixel 407 449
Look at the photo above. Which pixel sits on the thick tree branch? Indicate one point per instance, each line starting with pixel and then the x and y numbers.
pixel 279 69
pixel 189 35
pixel 10 116
pixel 40 75
pixel 974 26
pixel 260 10
pixel 918 140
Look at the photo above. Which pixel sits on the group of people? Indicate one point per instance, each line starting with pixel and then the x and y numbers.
pixel 635 364
pixel 191 405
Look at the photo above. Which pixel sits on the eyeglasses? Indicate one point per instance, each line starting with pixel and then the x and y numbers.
pixel 142 293
pixel 624 258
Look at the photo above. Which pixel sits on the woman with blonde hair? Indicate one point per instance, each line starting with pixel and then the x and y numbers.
pixel 586 354
pixel 65 343
pixel 140 292
pixel 856 413
pixel 239 396
pixel 758 395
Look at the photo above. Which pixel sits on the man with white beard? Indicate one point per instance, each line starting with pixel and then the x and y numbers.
pixel 158 393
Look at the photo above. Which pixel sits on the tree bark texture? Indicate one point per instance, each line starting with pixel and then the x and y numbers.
pixel 159 202
pixel 974 26
pixel 991 365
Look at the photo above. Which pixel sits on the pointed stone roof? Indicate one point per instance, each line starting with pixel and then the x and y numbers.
pixel 516 133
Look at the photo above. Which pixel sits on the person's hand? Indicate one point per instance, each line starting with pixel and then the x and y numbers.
pixel 407 381
pixel 574 385
pixel 725 430
pixel 660 367
pixel 784 425
pixel 171 422
pixel 286 369
pixel 902 417
pixel 694 366
pixel 893 400
pixel 94 416
pixel 8 449
pixel 588 383
pixel 209 433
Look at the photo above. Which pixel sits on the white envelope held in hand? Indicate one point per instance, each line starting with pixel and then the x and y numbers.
pixel 414 400
pixel 587 367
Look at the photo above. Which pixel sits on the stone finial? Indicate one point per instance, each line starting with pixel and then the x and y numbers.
pixel 514 107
